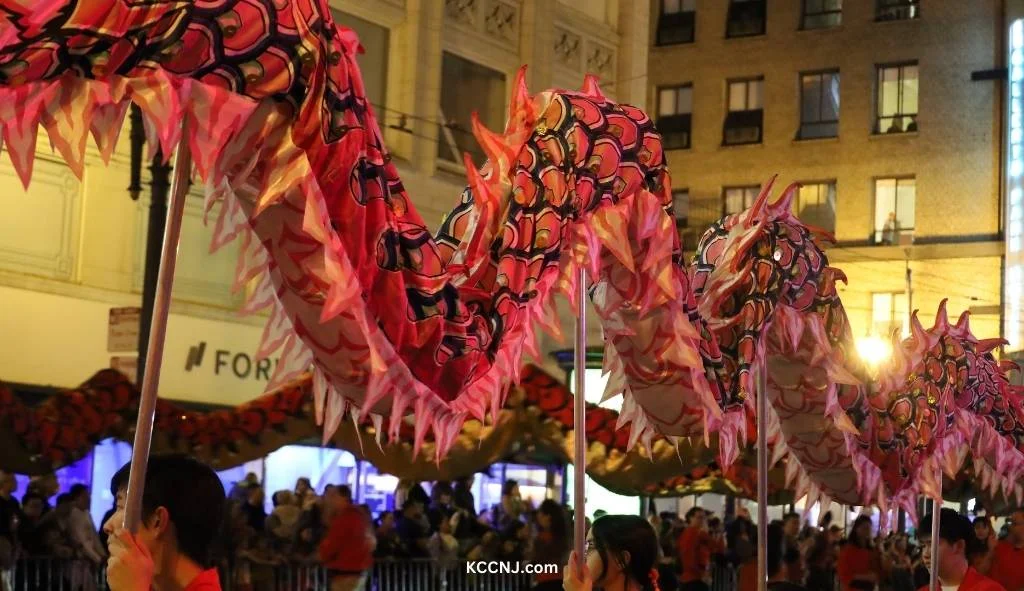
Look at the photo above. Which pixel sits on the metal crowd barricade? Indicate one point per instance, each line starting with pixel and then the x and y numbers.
pixel 51 574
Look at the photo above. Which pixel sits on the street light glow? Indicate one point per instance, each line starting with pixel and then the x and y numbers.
pixel 873 350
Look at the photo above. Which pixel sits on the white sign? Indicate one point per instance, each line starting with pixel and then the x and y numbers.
pixel 128 365
pixel 123 330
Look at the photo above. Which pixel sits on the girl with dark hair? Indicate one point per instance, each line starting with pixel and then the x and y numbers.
pixel 551 546
pixel 982 561
pixel 622 555
pixel 511 508
pixel 858 564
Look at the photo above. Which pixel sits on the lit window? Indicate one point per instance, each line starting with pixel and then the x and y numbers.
pixel 746 18
pixel 468 87
pixel 676 22
pixel 822 14
pixel 897 98
pixel 743 123
pixel 738 199
pixel 894 211
pixel 889 314
pixel 897 10
pixel 675 106
pixel 815 205
pixel 819 105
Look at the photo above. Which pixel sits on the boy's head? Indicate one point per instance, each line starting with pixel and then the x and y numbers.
pixel 182 509
pixel 957 542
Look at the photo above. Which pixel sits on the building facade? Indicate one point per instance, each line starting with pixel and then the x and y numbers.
pixel 890 113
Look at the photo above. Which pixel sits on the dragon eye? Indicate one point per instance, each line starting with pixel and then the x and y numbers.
pixel 777 255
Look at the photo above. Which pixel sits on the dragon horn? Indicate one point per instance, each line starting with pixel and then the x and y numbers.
pixel 941 317
pixel 591 87
pixel 521 102
pixel 755 210
pixel 785 203
pixel 988 345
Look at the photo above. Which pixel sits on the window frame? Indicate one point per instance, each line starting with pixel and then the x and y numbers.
pixel 679 117
pixel 884 8
pixel 754 189
pixel 912 127
pixel 673 21
pixel 800 134
pixel 745 118
pixel 877 233
pixel 729 34
pixel 804 16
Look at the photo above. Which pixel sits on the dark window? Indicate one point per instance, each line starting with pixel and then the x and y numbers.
pixel 676 22
pixel 897 10
pixel 815 205
pixel 681 206
pixel 675 105
pixel 894 210
pixel 743 122
pixel 746 18
pixel 897 99
pixel 738 199
pixel 822 14
pixel 468 87
pixel 819 105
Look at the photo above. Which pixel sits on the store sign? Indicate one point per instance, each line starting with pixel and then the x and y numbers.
pixel 1013 280
pixel 237 364
pixel 123 329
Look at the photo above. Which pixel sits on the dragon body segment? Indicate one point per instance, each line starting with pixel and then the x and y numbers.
pixel 395 321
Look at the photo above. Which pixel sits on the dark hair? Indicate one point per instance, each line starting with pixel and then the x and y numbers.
pixel 559 524
pixel 77 490
pixel 853 538
pixel 693 511
pixel 983 521
pixel 614 535
pixel 304 480
pixel 953 527
pixel 791 515
pixel 510 484
pixel 191 493
pixel 32 496
pixel 776 547
pixel 344 490
pixel 63 498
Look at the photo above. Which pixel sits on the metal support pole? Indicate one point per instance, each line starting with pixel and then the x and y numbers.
pixel 933 568
pixel 762 476
pixel 580 421
pixel 158 332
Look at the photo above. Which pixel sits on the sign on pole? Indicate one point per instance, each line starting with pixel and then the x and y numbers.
pixel 123 330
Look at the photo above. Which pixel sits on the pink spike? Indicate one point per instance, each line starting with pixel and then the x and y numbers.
pixel 919 334
pixel 785 203
pixel 494 147
pixel 754 214
pixel 591 87
pixel 988 345
pixel 520 108
pixel 941 317
pixel 963 325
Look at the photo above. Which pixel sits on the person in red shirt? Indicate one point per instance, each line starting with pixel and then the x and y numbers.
pixel 696 546
pixel 347 549
pixel 182 509
pixel 1008 557
pixel 858 562
pixel 957 544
